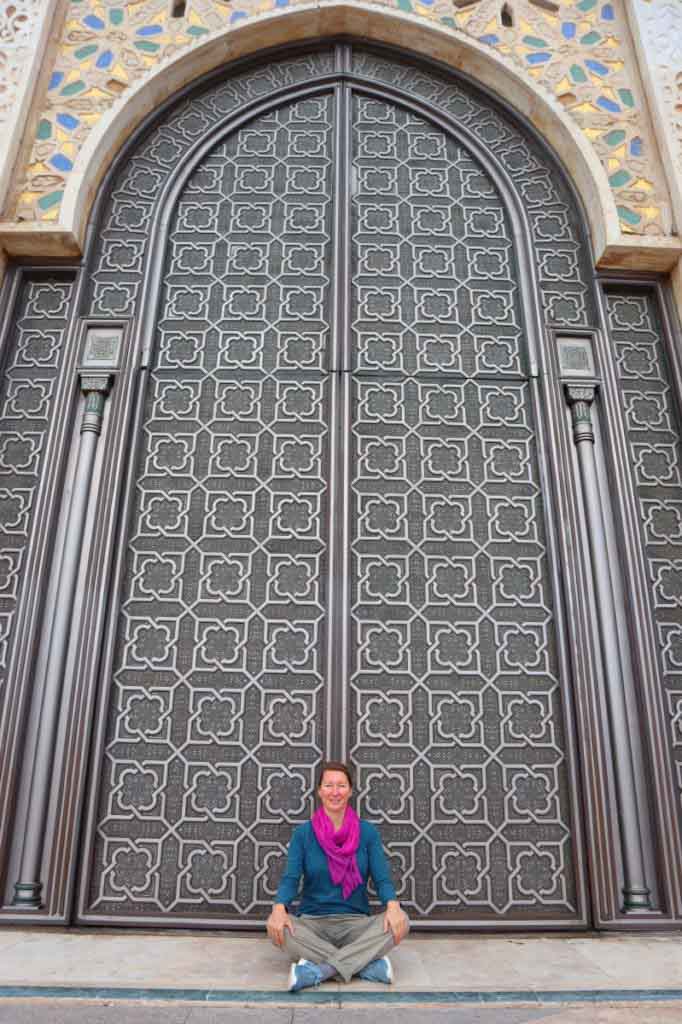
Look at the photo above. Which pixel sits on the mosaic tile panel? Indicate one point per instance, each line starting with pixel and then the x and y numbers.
pixel 582 53
pixel 579 50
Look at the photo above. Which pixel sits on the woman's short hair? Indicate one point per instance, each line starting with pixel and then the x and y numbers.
pixel 335 766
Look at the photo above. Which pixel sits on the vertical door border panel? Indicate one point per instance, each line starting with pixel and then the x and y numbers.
pixel 22 695
pixel 664 808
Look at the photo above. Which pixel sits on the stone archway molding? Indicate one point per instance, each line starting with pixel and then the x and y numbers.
pixel 316 21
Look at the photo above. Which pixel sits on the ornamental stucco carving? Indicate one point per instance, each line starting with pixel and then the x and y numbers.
pixel 18 21
pixel 660 25
pixel 579 51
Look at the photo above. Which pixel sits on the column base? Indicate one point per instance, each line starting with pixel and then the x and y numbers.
pixel 28 895
pixel 637 898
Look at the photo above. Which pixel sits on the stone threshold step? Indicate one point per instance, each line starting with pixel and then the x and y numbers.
pixel 339 999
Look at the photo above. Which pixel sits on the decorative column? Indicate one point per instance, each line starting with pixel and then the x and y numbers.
pixel 28 890
pixel 635 891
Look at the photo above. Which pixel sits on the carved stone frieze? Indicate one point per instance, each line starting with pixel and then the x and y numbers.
pixel 18 20
pixel 659 24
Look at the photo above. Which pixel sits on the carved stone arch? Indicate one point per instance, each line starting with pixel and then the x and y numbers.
pixel 461 53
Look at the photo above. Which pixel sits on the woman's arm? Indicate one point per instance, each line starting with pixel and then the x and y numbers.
pixel 395 918
pixel 287 890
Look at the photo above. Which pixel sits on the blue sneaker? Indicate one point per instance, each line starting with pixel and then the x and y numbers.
pixel 303 975
pixel 378 970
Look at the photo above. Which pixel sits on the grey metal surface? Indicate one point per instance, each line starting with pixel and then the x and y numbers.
pixel 635 890
pixel 33 355
pixel 551 219
pixel 652 419
pixel 218 698
pixel 124 264
pixel 220 686
pixel 31 362
pixel 28 887
pixel 454 698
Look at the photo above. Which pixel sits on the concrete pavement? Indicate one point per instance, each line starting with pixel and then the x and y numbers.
pixel 36 1011
pixel 97 976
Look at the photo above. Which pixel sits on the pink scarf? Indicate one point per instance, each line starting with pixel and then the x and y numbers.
pixel 340 848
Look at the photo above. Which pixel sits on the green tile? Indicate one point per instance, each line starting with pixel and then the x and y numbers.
pixel 73 88
pixel 620 178
pixel 629 216
pixel 51 199
pixel 86 51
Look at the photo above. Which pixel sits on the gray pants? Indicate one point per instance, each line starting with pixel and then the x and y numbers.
pixel 346 941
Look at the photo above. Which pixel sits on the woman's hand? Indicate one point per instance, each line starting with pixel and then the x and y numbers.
pixel 277 922
pixel 396 920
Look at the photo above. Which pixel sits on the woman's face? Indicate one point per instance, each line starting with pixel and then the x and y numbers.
pixel 334 792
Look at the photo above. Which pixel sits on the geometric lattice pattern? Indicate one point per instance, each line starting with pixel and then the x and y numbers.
pixel 29 377
pixel 652 423
pixel 560 254
pixel 221 688
pixel 116 278
pixel 218 703
pixel 558 247
pixel 455 699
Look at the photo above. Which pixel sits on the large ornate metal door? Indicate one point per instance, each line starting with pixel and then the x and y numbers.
pixel 454 699
pixel 337 539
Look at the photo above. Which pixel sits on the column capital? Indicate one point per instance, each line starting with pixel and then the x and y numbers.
pixel 580 398
pixel 95 382
pixel 95 387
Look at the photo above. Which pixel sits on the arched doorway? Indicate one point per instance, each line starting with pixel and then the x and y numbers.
pixel 339 530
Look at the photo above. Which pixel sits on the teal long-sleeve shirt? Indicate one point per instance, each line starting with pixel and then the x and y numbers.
pixel 320 896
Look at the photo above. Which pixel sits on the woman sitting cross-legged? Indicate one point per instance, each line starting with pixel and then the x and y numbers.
pixel 333 932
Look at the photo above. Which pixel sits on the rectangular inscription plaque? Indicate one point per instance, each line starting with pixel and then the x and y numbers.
pixel 576 358
pixel 102 347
